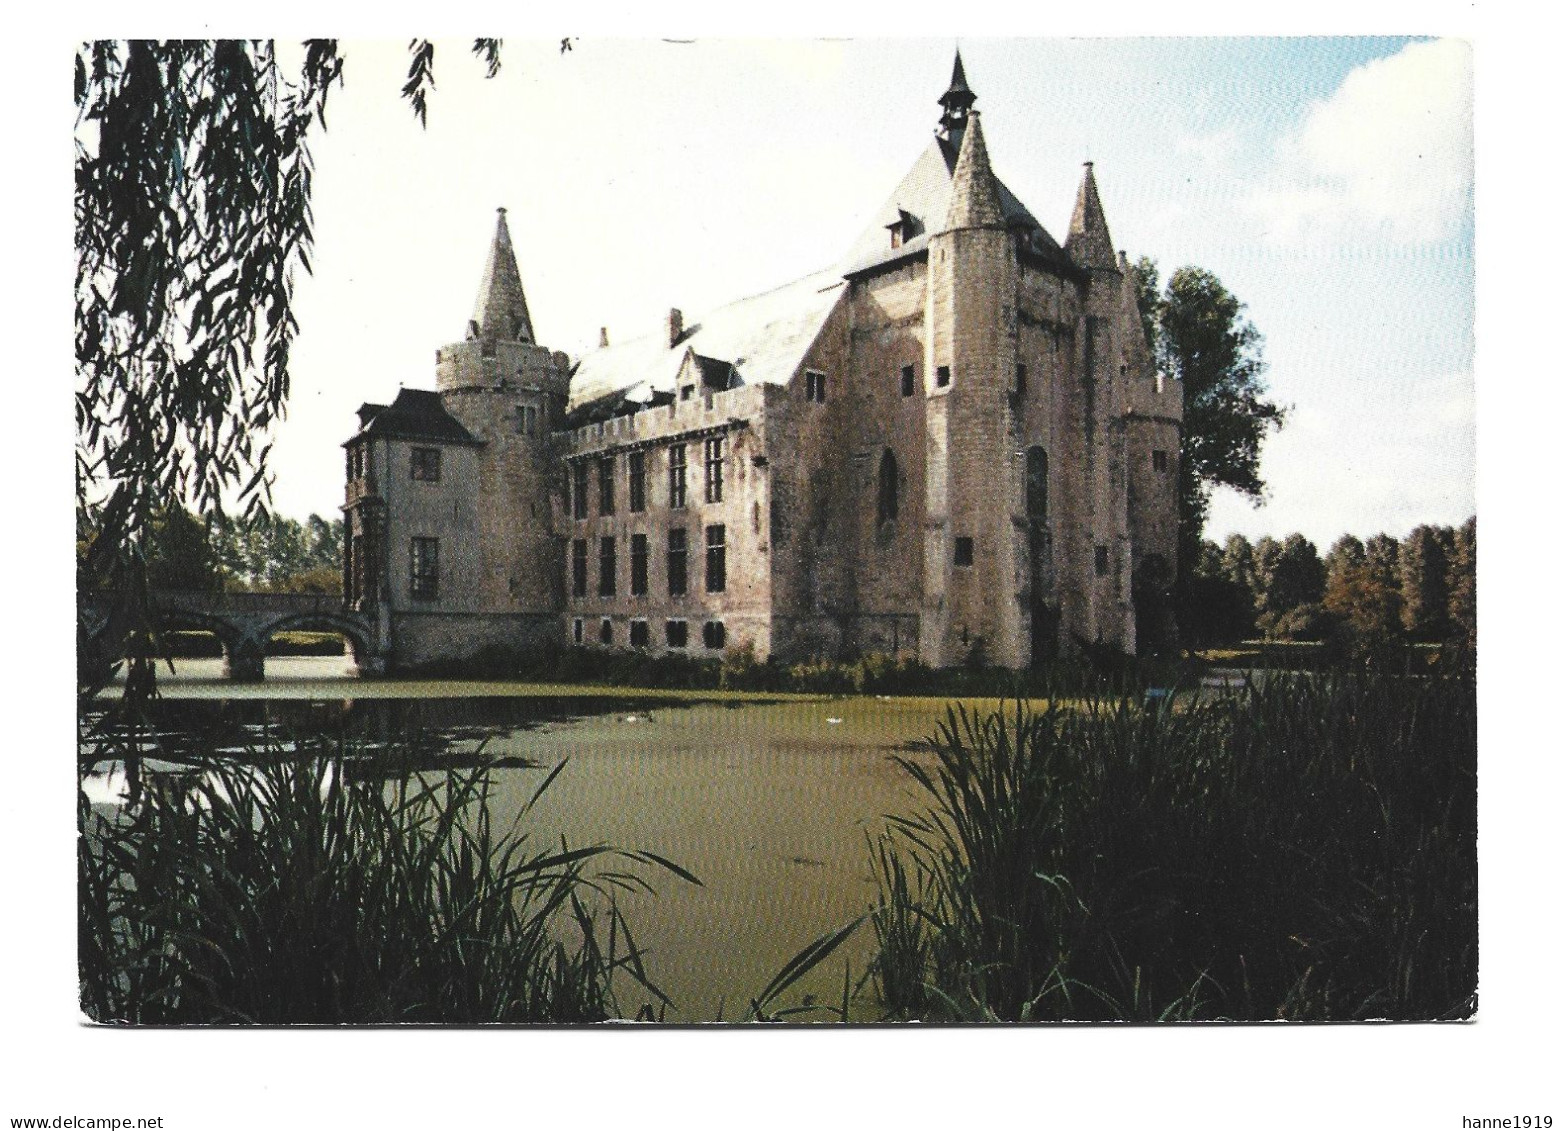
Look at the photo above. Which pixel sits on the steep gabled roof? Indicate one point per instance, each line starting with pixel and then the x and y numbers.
pixel 762 340
pixel 925 192
pixel 415 414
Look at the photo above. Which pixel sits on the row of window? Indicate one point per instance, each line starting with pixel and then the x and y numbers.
pixel 677 479
pixel 676 632
pixel 640 561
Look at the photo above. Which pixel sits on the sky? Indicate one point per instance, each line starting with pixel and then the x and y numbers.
pixel 1326 181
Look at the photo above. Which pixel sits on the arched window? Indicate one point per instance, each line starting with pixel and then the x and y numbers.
pixel 889 487
pixel 1036 483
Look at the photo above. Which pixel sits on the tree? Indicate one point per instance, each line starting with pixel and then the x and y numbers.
pixel 1200 336
pixel 192 208
pixel 180 553
pixel 1364 594
pixel 1461 584
pixel 1423 582
pixel 1219 610
pixel 1295 578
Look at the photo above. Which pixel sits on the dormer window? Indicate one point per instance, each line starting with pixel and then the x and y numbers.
pixel 903 229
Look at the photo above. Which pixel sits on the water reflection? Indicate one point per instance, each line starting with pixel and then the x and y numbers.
pixel 770 804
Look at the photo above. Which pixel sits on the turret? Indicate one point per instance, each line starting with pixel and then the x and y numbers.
pixel 973 559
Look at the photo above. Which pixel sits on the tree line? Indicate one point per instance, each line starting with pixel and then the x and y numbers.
pixel 1366 595
pixel 266 553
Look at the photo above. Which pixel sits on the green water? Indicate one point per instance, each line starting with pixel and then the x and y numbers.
pixel 770 802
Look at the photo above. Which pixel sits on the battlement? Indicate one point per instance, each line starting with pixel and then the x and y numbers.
pixel 711 409
pixel 481 364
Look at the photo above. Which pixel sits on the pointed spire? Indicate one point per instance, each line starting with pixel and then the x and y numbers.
pixel 1089 243
pixel 973 201
pixel 500 313
pixel 956 101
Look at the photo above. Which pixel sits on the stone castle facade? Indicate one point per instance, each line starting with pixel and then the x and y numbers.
pixel 954 446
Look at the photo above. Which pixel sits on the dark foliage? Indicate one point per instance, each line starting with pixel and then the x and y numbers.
pixel 1303 851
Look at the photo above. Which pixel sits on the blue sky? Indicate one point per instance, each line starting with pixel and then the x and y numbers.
pixel 1326 181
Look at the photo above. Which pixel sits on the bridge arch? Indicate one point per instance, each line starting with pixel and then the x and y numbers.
pixel 238 655
pixel 355 633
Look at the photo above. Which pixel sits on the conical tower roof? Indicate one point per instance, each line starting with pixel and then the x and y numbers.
pixel 1089 243
pixel 973 201
pixel 501 313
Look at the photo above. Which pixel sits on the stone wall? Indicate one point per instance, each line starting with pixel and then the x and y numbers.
pixel 738 417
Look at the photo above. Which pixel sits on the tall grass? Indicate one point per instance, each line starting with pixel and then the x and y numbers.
pixel 1303 851
pixel 283 893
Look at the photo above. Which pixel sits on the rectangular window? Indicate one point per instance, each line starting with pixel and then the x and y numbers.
pixel 607 566
pixel 1158 460
pixel 686 393
pixel 639 634
pixel 943 376
pixel 605 632
pixel 814 386
pixel 425 464
pixel 908 380
pixel 425 568
pixel 715 559
pixel 677 562
pixel 715 457
pixel 605 474
pixel 715 634
pixel 677 476
pixel 580 631
pixel 526 420
pixel 1019 380
pixel 677 634
pixel 578 488
pixel 578 567
pixel 639 565
pixel 965 551
pixel 636 482
pixel 1102 563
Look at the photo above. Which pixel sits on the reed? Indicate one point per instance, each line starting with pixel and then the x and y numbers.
pixel 283 893
pixel 1304 850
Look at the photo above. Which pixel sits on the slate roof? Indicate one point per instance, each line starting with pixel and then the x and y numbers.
pixel 925 193
pixel 415 414
pixel 756 341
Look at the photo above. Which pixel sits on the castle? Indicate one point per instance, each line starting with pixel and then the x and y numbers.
pixel 954 445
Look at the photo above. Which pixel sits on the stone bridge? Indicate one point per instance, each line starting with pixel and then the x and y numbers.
pixel 242 622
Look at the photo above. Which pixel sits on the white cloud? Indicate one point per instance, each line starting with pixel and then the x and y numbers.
pixel 1388 153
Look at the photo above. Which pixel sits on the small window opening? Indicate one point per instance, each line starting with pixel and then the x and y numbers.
pixel 1158 460
pixel 426 464
pixel 605 633
pixel 965 551
pixel 639 634
pixel 715 634
pixel 908 380
pixel 942 376
pixel 677 634
pixel 1102 562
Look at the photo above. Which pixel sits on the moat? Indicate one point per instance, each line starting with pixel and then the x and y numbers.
pixel 770 802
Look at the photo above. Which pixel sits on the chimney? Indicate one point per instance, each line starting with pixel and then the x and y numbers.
pixel 602 339
pixel 674 327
